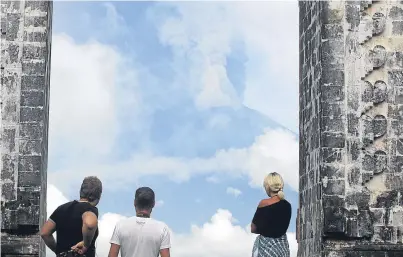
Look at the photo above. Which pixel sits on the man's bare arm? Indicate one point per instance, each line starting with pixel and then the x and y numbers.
pixel 163 252
pixel 114 250
pixel 90 225
pixel 47 234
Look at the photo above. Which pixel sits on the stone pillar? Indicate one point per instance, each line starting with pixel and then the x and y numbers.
pixel 24 96
pixel 351 129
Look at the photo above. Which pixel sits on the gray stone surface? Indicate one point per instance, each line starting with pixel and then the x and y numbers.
pixel 25 72
pixel 351 129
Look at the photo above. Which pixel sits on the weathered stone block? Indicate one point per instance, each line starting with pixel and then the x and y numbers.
pixel 35 36
pixel 354 176
pixel 21 244
pixel 397 164
pixel 332 124
pixel 31 131
pixel 394 181
pixel 334 31
pixel 333 201
pixel 13 31
pixel 378 216
pixel 30 163
pixel 333 140
pixel 9 84
pixel 29 179
pixel 9 168
pixel 364 224
pixel 330 155
pixel 40 6
pixel 397 28
pixel 30 147
pixel 34 82
pixel 13 55
pixel 34 52
pixel 398 95
pixel 386 199
pixel 332 171
pixel 359 199
pixel 395 78
pixel 396 13
pixel 8 191
pixel 386 234
pixel 8 139
pixel 33 68
pixel 9 110
pixel 8 220
pixel 332 94
pixel 30 114
pixel 29 195
pixel 334 187
pixel 352 124
pixel 399 147
pixel 334 220
pixel 36 21
pixel 380 162
pixel 397 218
pixel 377 56
pixel 28 216
pixel 332 110
pixel 32 98
pixel 380 92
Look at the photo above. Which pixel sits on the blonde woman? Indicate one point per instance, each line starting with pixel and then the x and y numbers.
pixel 271 220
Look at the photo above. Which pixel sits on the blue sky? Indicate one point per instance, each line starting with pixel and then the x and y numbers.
pixel 196 100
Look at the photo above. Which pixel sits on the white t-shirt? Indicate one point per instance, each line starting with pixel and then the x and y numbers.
pixel 143 237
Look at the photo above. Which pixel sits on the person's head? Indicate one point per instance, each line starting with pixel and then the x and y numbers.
pixel 91 190
pixel 273 184
pixel 144 199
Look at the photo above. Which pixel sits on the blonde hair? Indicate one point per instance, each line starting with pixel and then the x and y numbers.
pixel 273 183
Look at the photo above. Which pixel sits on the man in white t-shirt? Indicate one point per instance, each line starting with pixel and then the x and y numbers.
pixel 141 236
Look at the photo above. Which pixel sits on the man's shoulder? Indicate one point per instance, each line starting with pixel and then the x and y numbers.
pixel 128 220
pixel 158 223
pixel 65 205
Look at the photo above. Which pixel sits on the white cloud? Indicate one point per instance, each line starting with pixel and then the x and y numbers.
pixel 234 191
pixel 214 238
pixel 159 203
pixel 274 151
pixel 213 179
pixel 87 82
pixel 203 35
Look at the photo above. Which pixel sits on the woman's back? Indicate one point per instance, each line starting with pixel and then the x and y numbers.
pixel 272 220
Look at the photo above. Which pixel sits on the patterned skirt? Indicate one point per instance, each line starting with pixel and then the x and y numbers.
pixel 271 247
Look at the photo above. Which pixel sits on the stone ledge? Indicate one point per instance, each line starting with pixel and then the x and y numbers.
pixel 20 245
pixel 361 246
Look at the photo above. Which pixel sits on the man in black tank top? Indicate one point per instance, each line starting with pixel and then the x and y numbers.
pixel 75 222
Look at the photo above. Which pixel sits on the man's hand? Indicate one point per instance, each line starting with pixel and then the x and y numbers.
pixel 80 248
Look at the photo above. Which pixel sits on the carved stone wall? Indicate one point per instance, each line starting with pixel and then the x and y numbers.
pixel 24 95
pixel 360 142
pixel 310 74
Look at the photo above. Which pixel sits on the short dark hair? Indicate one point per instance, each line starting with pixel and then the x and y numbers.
pixel 144 198
pixel 91 188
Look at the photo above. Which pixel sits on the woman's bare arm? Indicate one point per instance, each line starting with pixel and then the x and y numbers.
pixel 253 228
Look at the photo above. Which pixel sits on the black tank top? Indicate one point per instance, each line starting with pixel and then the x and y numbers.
pixel 273 220
pixel 69 223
